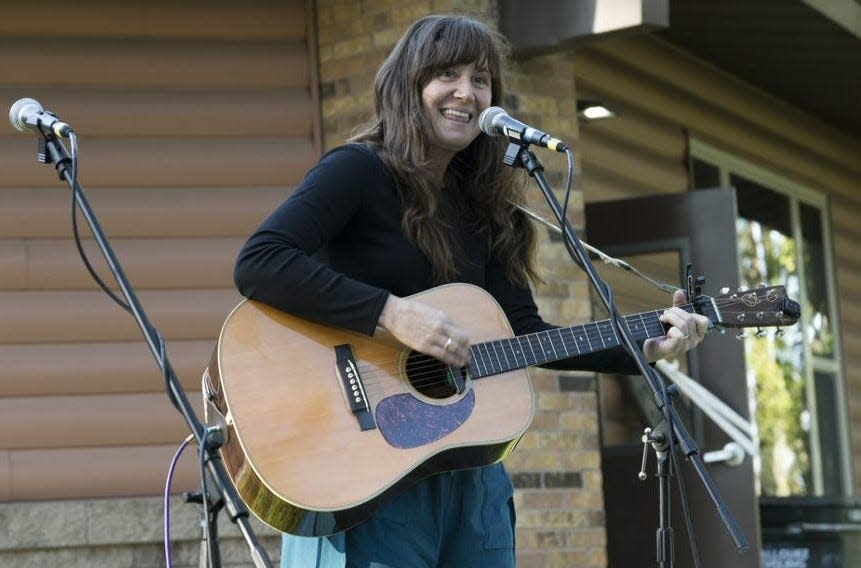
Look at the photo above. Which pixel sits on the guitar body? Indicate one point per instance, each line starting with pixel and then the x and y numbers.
pixel 295 451
pixel 323 426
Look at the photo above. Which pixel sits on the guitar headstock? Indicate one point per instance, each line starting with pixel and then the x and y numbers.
pixel 757 307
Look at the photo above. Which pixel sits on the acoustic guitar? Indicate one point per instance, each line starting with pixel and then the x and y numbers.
pixel 324 425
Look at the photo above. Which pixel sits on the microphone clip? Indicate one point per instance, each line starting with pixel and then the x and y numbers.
pixel 518 155
pixel 43 157
pixel 512 152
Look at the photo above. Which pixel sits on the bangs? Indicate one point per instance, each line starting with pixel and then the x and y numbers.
pixel 459 42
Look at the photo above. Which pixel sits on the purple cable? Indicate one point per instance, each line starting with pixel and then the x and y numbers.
pixel 167 553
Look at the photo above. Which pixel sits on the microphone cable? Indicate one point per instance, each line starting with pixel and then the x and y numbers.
pixel 73 142
pixel 168 554
pixel 76 191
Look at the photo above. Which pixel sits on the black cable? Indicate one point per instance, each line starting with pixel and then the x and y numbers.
pixel 162 355
pixel 75 190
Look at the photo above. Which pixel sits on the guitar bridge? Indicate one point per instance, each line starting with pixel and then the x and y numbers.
pixel 354 389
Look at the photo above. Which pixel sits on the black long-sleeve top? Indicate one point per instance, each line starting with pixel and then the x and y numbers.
pixel 335 250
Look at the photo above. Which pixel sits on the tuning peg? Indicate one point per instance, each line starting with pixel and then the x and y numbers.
pixel 741 335
pixel 762 285
pixel 724 291
pixel 779 332
pixel 743 288
pixel 759 332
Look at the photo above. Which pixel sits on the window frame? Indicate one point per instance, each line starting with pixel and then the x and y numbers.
pixel 797 193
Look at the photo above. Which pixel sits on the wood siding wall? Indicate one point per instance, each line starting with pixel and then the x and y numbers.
pixel 663 95
pixel 194 120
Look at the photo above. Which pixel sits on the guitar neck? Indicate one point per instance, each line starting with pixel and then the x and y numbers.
pixel 502 355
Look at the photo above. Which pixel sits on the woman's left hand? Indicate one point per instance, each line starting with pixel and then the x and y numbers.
pixel 686 332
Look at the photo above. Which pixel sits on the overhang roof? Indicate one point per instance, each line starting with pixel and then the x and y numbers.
pixel 806 52
pixel 788 48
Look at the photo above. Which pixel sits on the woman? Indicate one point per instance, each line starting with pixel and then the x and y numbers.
pixel 419 198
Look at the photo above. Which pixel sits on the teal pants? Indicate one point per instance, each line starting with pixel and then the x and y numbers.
pixel 450 520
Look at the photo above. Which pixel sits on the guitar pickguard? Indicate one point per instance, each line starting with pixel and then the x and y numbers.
pixel 407 422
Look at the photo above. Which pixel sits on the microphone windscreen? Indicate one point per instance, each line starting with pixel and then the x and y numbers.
pixel 16 115
pixel 486 119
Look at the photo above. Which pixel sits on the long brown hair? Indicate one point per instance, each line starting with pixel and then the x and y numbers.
pixel 398 134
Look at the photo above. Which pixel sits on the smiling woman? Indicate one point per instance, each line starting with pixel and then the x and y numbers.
pixel 427 54
pixel 420 198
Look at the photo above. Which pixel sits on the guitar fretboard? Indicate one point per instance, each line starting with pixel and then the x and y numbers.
pixel 502 355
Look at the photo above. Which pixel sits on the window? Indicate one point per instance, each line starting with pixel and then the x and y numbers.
pixel 794 379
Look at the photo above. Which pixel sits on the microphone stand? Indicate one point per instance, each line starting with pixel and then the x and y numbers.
pixel 671 431
pixel 52 151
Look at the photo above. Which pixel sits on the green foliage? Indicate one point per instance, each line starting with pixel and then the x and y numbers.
pixel 775 374
pixel 780 405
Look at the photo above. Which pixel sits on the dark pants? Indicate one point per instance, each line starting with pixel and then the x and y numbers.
pixel 451 520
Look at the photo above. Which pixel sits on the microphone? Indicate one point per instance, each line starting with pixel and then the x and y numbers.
pixel 494 121
pixel 28 114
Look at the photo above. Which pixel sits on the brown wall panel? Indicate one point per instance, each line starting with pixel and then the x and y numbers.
pixel 660 173
pixel 847 237
pixel 173 112
pixel 194 121
pixel 143 63
pixel 53 369
pixel 603 184
pixel 157 19
pixel 139 162
pixel 13 263
pixel 77 316
pixel 850 310
pixel 850 280
pixel 633 126
pixel 846 258
pixel 74 473
pixel 140 212
pixel 852 342
pixel 150 263
pixel 91 421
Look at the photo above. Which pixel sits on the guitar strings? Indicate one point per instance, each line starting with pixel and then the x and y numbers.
pixel 592 333
pixel 427 373
pixel 433 368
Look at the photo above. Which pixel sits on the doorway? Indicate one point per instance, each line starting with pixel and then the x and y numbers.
pixel 666 233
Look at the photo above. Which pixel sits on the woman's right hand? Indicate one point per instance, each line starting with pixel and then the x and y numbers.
pixel 425 329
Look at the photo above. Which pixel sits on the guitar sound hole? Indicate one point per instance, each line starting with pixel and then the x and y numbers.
pixel 431 377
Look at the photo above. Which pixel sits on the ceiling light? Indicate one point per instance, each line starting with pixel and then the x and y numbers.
pixel 593 110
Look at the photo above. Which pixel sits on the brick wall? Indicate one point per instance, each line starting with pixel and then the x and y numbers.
pixel 556 468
